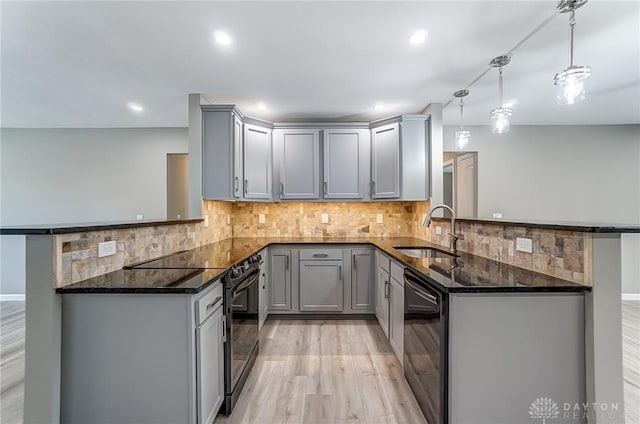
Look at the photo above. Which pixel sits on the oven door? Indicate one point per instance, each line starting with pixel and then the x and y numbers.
pixel 425 347
pixel 243 331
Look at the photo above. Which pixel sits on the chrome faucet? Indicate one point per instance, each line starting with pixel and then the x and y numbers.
pixel 454 237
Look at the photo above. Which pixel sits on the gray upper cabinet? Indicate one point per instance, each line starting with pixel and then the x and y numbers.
pixel 400 158
pixel 362 279
pixel 279 286
pixel 321 285
pixel 385 162
pixel 346 163
pixel 257 162
pixel 299 162
pixel 221 151
pixel 238 174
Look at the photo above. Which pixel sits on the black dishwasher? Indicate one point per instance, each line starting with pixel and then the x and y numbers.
pixel 426 346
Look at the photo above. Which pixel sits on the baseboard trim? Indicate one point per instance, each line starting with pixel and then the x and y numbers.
pixel 630 296
pixel 12 297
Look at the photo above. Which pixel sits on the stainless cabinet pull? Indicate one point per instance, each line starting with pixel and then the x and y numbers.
pixel 340 272
pixel 354 261
pixel 223 320
pixel 281 189
pixel 320 255
pixel 373 188
pixel 386 290
pixel 325 187
pixel 286 266
pixel 235 185
pixel 214 303
pixel 246 186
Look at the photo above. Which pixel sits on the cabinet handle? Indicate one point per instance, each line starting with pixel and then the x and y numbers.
pixel 264 280
pixel 224 328
pixel 320 255
pixel 286 266
pixel 246 186
pixel 235 185
pixel 354 261
pixel 340 272
pixel 214 303
pixel 373 188
pixel 281 189
pixel 386 290
pixel 325 187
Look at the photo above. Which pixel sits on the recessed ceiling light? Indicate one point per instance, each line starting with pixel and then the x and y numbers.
pixel 135 107
pixel 379 106
pixel 418 37
pixel 222 37
pixel 262 105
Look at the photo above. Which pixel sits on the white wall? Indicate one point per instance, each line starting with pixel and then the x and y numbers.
pixel 568 173
pixel 562 173
pixel 51 176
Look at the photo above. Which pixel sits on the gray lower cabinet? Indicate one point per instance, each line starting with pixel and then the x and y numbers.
pixel 396 318
pixel 321 285
pixel 346 163
pixel 298 157
pixel 143 358
pixel 257 162
pixel 280 280
pixel 362 279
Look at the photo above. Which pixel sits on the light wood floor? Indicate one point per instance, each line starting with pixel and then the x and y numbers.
pixel 349 371
pixel 11 362
pixel 325 372
pixel 631 359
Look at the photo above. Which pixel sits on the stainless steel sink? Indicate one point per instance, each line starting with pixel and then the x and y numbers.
pixel 425 252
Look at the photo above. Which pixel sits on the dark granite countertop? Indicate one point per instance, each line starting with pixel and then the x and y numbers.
pixel 82 227
pixel 147 281
pixel 583 227
pixel 465 274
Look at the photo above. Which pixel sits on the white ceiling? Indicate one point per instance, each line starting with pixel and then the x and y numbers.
pixel 77 64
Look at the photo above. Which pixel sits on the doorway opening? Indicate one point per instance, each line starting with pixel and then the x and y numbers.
pixel 177 185
pixel 460 181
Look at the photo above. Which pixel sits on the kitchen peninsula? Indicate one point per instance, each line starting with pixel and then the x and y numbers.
pixel 474 275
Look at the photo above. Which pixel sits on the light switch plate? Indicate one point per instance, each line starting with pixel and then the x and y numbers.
pixel 139 217
pixel 379 218
pixel 261 219
pixel 438 230
pixel 497 215
pixel 106 248
pixel 524 245
pixel 325 218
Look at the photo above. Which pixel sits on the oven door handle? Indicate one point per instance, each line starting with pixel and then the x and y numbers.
pixel 420 292
pixel 245 286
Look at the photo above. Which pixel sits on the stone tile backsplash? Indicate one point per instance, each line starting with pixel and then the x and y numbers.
pixel 561 254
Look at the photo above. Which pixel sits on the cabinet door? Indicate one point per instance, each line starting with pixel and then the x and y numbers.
pixel 217 154
pixel 382 300
pixel 262 292
pixel 299 157
pixel 237 157
pixel 385 162
pixel 321 286
pixel 362 280
pixel 210 367
pixel 396 318
pixel 280 280
pixel 257 162
pixel 346 163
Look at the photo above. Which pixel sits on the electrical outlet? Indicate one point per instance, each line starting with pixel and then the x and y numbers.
pixel 497 215
pixel 524 245
pixel 325 218
pixel 178 216
pixel 206 220
pixel 106 248
pixel 139 217
pixel 379 218
pixel 261 219
pixel 438 230
pixel 228 219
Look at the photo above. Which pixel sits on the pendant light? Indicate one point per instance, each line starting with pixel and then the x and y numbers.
pixel 461 135
pixel 571 80
pixel 500 115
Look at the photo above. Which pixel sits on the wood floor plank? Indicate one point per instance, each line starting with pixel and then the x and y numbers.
pixel 11 361
pixel 318 409
pixel 261 405
pixel 631 359
pixel 290 405
pixel 347 401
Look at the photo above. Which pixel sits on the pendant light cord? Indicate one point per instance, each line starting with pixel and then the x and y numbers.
pixel 500 87
pixel 572 24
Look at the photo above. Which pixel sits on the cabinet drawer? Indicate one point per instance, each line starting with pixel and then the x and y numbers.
pixel 383 261
pixel 208 303
pixel 320 254
pixel 397 271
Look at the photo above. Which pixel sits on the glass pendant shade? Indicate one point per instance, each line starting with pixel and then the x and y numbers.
pixel 462 138
pixel 570 84
pixel 500 119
